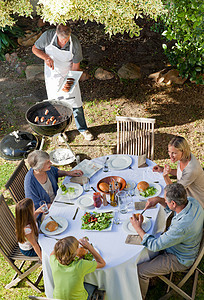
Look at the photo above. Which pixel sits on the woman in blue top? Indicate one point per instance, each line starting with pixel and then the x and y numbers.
pixel 41 180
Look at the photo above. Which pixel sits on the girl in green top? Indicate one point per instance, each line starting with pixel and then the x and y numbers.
pixel 68 274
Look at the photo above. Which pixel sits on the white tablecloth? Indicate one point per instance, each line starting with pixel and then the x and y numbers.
pixel 119 277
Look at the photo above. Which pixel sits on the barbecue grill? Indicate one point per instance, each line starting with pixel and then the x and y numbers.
pixel 60 110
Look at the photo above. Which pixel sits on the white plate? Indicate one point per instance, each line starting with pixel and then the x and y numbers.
pixel 85 201
pixel 119 162
pixel 130 185
pixel 107 229
pixel 62 221
pixel 78 190
pixel 61 157
pixel 127 226
pixel 156 185
pixel 74 74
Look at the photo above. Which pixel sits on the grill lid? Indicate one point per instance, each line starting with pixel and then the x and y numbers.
pixel 17 145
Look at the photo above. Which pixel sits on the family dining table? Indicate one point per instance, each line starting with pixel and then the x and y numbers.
pixel 119 277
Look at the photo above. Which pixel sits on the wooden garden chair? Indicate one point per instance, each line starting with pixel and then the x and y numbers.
pixel 15 184
pixel 10 250
pixel 135 136
pixel 193 270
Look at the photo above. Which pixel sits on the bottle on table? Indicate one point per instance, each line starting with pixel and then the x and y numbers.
pixel 112 195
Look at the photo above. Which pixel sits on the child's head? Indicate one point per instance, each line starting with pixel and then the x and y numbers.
pixel 65 250
pixel 24 217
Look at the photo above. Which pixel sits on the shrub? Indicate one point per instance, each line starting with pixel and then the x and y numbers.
pixel 185 24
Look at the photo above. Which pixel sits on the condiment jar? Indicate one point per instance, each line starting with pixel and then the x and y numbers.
pixel 97 199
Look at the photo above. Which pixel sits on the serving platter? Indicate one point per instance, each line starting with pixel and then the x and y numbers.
pixel 74 74
pixel 61 220
pixel 119 162
pixel 158 192
pixel 127 226
pixel 106 229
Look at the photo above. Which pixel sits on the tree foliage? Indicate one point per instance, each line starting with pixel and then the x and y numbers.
pixel 118 16
pixel 10 8
pixel 184 23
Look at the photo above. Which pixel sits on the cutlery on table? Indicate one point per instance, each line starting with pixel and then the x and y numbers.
pixel 76 212
pixel 55 221
pixel 69 203
pixel 51 237
pixel 93 189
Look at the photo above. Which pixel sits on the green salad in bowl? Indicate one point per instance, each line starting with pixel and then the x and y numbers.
pixel 96 221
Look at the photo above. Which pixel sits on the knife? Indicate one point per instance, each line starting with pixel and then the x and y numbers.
pixel 69 203
pixel 55 221
pixel 76 212
pixel 94 189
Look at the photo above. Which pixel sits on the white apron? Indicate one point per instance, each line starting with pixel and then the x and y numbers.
pixel 53 78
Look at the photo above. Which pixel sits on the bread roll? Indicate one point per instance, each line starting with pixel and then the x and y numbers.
pixel 142 186
pixel 104 187
pixel 51 226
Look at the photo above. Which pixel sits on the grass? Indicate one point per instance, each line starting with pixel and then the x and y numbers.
pixel 160 103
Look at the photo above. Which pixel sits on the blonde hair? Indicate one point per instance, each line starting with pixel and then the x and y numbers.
pixel 37 158
pixel 24 217
pixel 181 144
pixel 65 250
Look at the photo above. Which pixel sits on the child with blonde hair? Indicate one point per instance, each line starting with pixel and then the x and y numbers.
pixel 68 273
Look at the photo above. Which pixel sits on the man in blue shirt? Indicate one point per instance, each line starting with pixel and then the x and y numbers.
pixel 180 242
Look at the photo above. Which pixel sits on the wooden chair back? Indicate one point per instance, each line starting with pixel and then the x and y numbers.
pixel 8 242
pixel 135 136
pixel 193 270
pixel 10 250
pixel 15 184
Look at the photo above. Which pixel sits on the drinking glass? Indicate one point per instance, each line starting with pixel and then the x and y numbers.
pixel 86 185
pixel 44 207
pixel 122 202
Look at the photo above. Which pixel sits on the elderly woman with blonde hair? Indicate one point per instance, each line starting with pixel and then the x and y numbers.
pixel 189 171
pixel 41 180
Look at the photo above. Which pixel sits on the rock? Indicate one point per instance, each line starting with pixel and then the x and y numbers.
pixel 169 77
pixel 20 68
pixel 12 58
pixel 102 74
pixel 35 72
pixel 129 71
pixel 29 39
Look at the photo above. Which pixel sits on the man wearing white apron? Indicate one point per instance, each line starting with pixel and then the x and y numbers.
pixel 61 52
